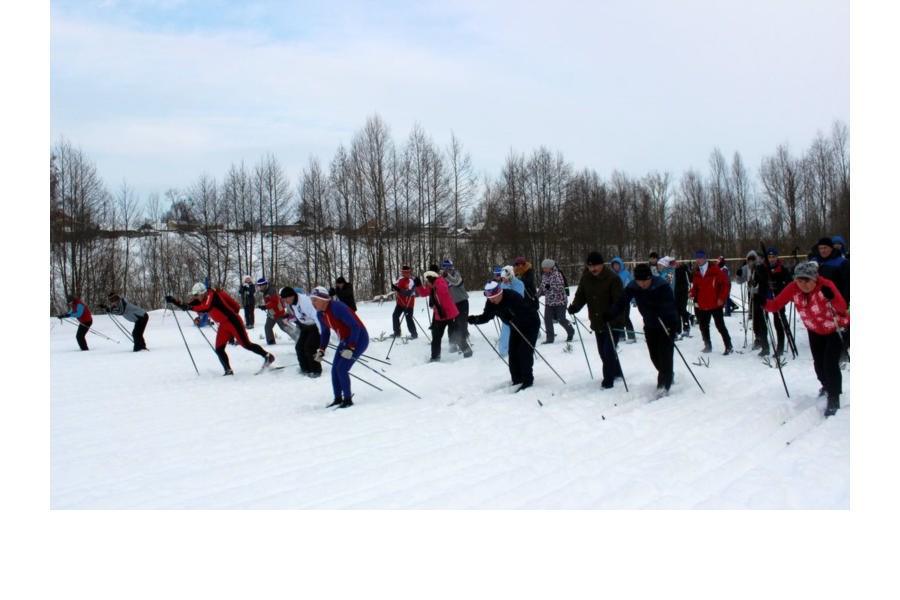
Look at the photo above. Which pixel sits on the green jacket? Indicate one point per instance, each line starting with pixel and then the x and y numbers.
pixel 599 292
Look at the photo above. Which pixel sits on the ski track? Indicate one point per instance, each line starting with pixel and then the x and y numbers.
pixel 257 442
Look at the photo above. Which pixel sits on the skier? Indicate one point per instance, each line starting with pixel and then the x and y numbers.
pixel 130 312
pixel 681 289
pixel 443 307
pixel 508 281
pixel 406 302
pixel 343 290
pixel 275 311
pixel 353 339
pixel 823 311
pixel 78 310
pixel 309 339
pixel 458 330
pixel 655 301
pixel 709 289
pixel 600 288
pixel 514 310
pixel 625 275
pixel 224 310
pixel 757 277
pixel 779 278
pixel 553 288
pixel 248 300
pixel 525 272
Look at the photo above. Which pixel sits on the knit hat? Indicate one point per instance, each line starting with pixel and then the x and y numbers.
pixel 825 241
pixel 548 263
pixel 653 255
pixel 807 270
pixel 594 258
pixel 431 275
pixel 508 272
pixel 700 254
pixel 492 288
pixel 772 251
pixel 497 270
pixel 288 292
pixel 340 280
pixel 319 292
pixel 642 272
pixel 261 282
pixel 663 262
pixel 447 264
pixel 752 254
pixel 405 269
pixel 520 260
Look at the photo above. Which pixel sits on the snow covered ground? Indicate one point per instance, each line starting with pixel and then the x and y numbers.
pixel 145 431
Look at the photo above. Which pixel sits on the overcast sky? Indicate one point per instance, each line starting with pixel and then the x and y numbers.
pixel 158 92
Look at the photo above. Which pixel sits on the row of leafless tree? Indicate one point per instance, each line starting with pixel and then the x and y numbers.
pixel 379 205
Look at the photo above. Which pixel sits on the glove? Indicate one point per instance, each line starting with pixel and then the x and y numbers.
pixel 394 287
pixel 826 291
pixel 347 353
pixel 417 281
pixel 319 355
pixel 171 300
pixel 471 320
pixel 571 310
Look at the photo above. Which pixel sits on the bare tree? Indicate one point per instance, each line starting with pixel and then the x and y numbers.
pixel 77 196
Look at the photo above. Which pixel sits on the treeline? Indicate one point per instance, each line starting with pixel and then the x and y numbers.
pixel 380 204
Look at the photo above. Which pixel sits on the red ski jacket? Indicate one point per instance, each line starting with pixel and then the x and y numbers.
pixel 710 291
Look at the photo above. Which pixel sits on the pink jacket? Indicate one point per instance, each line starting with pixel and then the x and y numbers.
pixel 440 299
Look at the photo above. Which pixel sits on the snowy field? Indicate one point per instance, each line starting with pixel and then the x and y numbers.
pixel 145 431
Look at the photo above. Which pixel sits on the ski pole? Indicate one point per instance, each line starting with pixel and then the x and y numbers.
pixel 580 339
pixel 91 330
pixel 174 316
pixel 787 332
pixel 328 362
pixel 122 329
pixel 211 347
pixel 612 340
pixel 777 359
pixel 391 347
pixel 683 359
pixel 513 325
pixel 497 352
pixel 744 313
pixel 332 345
pixel 424 330
pixel 837 329
pixel 391 380
pixel 625 331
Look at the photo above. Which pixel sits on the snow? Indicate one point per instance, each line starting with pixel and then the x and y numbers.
pixel 145 431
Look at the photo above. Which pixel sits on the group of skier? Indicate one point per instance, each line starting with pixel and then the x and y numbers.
pixel 660 289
